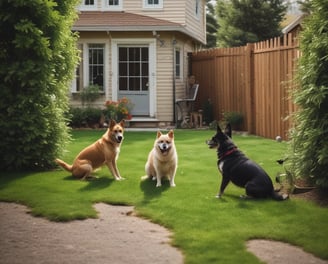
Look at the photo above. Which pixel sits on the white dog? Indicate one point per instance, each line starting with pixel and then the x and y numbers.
pixel 162 159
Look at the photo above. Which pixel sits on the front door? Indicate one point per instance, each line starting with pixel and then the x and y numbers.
pixel 133 77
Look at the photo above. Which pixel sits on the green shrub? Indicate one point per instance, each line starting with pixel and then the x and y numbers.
pixel 235 119
pixel 38 56
pixel 309 148
pixel 89 94
pixel 85 117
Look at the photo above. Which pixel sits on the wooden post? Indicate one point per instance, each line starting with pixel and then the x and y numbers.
pixel 249 86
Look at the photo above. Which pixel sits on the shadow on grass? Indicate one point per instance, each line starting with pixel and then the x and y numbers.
pixel 7 177
pixel 97 184
pixel 151 191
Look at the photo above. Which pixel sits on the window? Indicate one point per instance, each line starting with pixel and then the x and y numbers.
pixel 113 4
pixel 177 64
pixel 88 5
pixel 152 3
pixel 197 8
pixel 97 64
pixel 133 68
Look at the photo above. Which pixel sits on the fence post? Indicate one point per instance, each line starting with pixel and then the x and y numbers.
pixel 249 86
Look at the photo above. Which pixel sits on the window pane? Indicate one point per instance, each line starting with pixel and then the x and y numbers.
pixel 144 84
pixel 123 69
pixel 177 64
pixel 134 84
pixel 144 69
pixel 123 54
pixel 123 83
pixel 144 56
pixel 89 2
pixel 113 2
pixel 134 54
pixel 134 69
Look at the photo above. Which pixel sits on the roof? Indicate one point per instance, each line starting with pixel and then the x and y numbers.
pixel 122 21
pixel 296 22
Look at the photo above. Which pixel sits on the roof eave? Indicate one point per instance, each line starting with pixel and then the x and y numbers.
pixel 99 28
pixel 125 28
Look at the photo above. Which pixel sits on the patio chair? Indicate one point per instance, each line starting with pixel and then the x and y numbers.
pixel 189 101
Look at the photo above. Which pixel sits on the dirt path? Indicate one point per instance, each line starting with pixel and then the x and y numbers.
pixel 115 237
pixel 273 252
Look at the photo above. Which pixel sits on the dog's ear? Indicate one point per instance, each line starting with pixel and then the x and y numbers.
pixel 171 134
pixel 228 130
pixel 112 124
pixel 159 134
pixel 122 123
pixel 218 129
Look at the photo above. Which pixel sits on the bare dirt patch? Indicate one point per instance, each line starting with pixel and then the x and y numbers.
pixel 273 252
pixel 115 237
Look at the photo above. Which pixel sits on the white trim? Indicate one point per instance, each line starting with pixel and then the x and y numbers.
pixel 151 43
pixel 85 53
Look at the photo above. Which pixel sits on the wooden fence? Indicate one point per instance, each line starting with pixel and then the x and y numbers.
pixel 254 80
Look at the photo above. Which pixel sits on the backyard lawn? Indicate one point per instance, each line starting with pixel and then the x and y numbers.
pixel 206 229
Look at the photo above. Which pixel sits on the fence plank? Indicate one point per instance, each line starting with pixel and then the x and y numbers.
pixel 255 80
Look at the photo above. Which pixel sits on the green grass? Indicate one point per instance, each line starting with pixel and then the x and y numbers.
pixel 206 229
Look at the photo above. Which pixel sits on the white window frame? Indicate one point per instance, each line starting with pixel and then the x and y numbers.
pixel 146 5
pixel 85 75
pixel 178 49
pixel 84 7
pixel 106 6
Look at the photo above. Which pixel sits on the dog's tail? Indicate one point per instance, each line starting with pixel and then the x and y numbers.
pixel 64 165
pixel 279 196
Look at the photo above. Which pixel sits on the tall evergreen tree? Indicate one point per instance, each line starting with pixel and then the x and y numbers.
pixel 247 21
pixel 309 150
pixel 38 56
pixel 211 25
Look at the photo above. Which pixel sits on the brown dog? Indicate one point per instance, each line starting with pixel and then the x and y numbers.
pixel 104 151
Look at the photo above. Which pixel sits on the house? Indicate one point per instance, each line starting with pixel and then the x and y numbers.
pixel 138 49
pixel 294 26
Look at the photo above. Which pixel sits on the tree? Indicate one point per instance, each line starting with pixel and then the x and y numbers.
pixel 38 56
pixel 211 25
pixel 247 21
pixel 309 149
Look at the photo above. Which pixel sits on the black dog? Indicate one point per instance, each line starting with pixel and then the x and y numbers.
pixel 237 168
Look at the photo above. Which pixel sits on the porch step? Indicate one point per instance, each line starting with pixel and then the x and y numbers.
pixel 143 122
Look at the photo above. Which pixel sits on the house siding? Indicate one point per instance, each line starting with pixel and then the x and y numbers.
pixel 173 11
pixel 180 12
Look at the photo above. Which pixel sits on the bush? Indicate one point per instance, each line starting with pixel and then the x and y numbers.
pixel 235 119
pixel 309 147
pixel 38 56
pixel 89 94
pixel 85 117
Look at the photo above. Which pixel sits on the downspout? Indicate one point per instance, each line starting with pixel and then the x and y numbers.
pixel 174 42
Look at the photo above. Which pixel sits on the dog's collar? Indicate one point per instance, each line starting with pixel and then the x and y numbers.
pixel 227 153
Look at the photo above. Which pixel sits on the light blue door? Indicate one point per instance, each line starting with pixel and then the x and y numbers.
pixel 133 77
